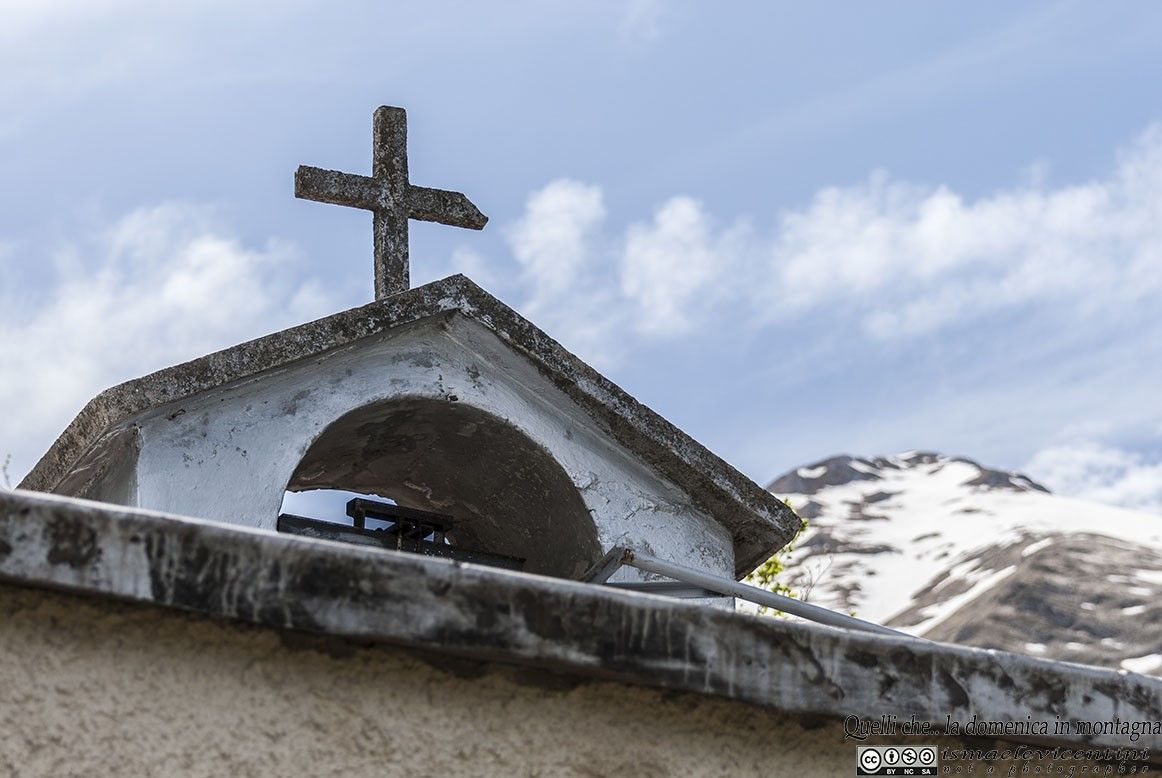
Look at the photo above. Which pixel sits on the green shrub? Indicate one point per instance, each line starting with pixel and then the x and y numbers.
pixel 766 575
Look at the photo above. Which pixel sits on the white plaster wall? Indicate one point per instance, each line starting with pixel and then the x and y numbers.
pixel 228 454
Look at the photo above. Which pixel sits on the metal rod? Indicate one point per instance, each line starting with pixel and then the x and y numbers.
pixel 750 593
pixel 604 568
pixel 678 589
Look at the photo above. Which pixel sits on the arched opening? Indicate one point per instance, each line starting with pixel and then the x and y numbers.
pixel 505 493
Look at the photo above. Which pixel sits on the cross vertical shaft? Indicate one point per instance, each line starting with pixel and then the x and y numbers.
pixel 389 163
pixel 391 198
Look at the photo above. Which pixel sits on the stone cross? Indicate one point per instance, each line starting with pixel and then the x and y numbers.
pixel 390 197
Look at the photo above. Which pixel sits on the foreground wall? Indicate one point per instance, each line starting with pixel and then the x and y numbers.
pixel 94 687
pixel 208 671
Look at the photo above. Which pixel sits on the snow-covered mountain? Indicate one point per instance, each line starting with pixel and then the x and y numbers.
pixel 945 548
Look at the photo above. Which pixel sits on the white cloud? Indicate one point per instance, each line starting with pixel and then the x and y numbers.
pixel 895 259
pixel 162 285
pixel 669 262
pixel 1047 296
pixel 668 268
pixel 552 240
pixel 1100 472
pixel 908 259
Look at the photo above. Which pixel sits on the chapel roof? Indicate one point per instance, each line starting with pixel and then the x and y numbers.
pixel 758 522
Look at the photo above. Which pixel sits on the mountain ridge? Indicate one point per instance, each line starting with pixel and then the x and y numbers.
pixel 944 547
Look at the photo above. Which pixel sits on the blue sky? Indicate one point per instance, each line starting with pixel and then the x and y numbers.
pixel 793 229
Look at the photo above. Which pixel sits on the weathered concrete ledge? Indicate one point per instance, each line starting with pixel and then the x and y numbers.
pixel 432 605
pixel 758 522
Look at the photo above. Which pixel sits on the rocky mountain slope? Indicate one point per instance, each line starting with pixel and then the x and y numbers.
pixel 946 548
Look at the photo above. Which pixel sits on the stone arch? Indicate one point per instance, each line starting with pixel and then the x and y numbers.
pixel 505 491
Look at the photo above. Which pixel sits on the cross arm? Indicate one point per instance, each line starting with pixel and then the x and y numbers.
pixel 331 186
pixel 440 205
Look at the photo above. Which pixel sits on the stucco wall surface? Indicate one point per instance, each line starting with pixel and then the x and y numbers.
pixel 98 688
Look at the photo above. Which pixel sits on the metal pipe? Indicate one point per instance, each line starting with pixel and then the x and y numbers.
pixel 752 594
